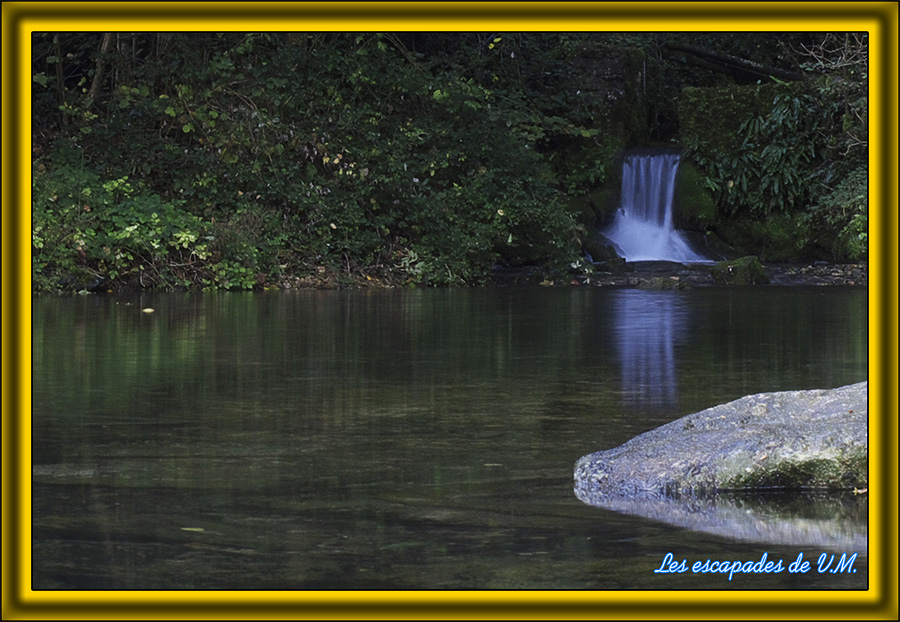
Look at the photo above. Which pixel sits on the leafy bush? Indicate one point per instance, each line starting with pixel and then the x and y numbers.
pixel 840 218
pixel 426 156
pixel 803 155
pixel 770 165
pixel 110 230
pixel 296 152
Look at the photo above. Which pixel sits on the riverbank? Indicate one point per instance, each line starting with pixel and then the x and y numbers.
pixel 672 275
pixel 642 275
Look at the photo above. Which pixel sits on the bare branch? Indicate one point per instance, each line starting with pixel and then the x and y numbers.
pixel 728 62
pixel 837 51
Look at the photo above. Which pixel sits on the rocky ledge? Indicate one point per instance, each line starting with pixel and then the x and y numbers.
pixel 671 275
pixel 674 275
pixel 788 440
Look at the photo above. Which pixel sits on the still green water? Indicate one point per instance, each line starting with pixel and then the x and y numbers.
pixel 397 439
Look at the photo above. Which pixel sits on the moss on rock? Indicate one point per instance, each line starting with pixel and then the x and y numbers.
pixel 662 282
pixel 841 469
pixel 695 207
pixel 741 271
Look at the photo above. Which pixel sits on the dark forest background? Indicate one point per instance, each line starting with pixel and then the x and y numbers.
pixel 237 160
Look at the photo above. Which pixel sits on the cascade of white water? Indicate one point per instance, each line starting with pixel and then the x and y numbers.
pixel 643 229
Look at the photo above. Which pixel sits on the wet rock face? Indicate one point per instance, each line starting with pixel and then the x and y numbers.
pixel 792 440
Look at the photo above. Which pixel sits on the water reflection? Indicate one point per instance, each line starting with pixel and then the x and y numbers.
pixel 647 326
pixel 390 439
pixel 835 520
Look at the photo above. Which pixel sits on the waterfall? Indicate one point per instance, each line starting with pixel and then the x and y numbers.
pixel 642 229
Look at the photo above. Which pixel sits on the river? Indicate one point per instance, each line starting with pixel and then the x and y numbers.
pixel 397 439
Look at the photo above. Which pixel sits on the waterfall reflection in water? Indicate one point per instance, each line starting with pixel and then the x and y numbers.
pixel 647 327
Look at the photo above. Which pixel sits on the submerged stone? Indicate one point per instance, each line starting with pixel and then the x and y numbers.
pixel 789 440
pixel 660 282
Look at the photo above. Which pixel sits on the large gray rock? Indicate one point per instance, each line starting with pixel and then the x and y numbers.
pixel 793 439
pixel 754 469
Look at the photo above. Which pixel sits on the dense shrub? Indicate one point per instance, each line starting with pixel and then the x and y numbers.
pixel 231 160
pixel 91 229
pixel 787 163
pixel 840 218
pixel 279 152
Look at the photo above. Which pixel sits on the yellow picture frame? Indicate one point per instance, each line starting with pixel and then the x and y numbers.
pixel 879 19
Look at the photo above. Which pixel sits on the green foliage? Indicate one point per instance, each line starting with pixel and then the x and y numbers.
pixel 795 163
pixel 742 271
pixel 853 242
pixel 293 152
pixel 766 164
pixel 839 220
pixel 694 204
pixel 114 230
pixel 778 237
pixel 229 160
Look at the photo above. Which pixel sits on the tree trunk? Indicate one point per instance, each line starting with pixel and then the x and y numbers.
pixel 101 65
